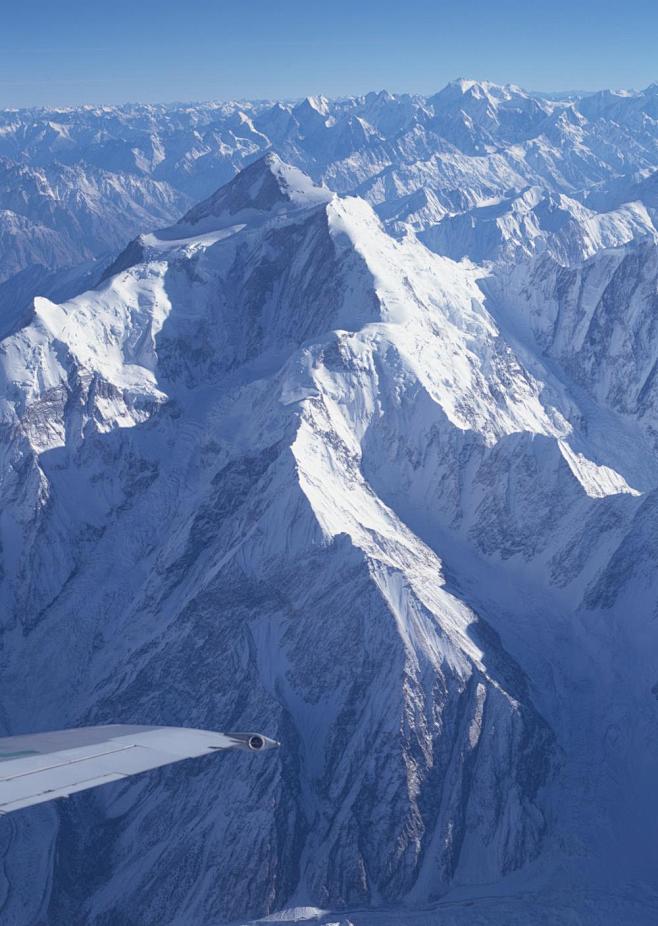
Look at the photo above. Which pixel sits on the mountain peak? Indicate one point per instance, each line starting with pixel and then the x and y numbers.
pixel 462 87
pixel 318 104
pixel 269 184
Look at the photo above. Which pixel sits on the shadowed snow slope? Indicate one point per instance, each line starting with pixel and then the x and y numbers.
pixel 282 470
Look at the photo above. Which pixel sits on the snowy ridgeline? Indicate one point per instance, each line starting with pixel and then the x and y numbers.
pixel 289 465
pixel 478 170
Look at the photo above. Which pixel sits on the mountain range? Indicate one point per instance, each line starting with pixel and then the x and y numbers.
pixel 337 419
pixel 79 182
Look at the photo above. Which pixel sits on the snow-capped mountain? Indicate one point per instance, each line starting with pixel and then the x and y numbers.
pixel 538 222
pixel 80 183
pixel 283 469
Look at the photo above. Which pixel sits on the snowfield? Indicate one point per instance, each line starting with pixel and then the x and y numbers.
pixel 360 451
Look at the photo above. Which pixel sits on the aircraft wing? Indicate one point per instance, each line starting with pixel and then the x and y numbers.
pixel 40 767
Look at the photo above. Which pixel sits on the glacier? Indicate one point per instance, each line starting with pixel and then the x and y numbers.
pixel 354 441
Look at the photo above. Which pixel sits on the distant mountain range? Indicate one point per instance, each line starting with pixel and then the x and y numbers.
pixel 79 183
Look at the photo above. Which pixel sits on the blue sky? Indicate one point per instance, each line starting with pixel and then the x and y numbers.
pixel 103 52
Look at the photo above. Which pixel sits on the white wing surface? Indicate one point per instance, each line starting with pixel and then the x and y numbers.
pixel 40 767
